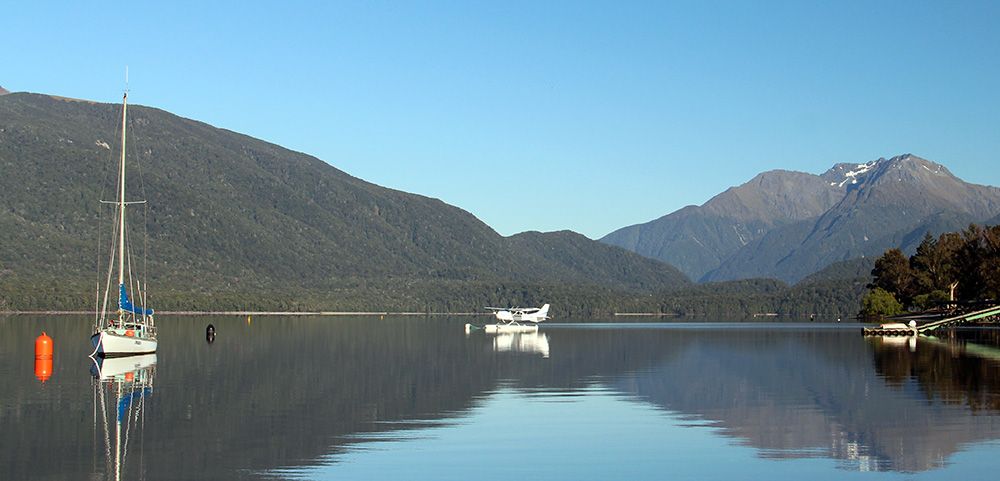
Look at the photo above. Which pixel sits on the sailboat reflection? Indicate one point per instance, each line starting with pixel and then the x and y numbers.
pixel 524 342
pixel 129 382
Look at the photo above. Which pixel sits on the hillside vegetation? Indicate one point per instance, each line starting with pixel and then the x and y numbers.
pixel 233 222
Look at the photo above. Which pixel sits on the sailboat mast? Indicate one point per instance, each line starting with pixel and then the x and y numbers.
pixel 118 438
pixel 121 208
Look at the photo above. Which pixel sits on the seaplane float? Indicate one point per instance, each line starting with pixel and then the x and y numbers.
pixel 514 319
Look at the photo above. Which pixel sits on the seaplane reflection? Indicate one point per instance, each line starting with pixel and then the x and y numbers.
pixel 523 342
pixel 121 387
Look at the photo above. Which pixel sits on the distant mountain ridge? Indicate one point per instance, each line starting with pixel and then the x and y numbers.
pixel 788 225
pixel 4 91
pixel 230 212
pixel 697 239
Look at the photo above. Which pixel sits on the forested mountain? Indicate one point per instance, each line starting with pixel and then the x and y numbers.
pixel 233 222
pixel 850 211
pixel 228 213
pixel 860 269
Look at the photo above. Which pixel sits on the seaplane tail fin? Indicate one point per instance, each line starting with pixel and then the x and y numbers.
pixel 543 313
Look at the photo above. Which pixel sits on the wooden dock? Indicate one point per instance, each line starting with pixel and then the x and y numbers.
pixel 913 329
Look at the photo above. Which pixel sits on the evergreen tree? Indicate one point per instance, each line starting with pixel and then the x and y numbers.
pixel 933 263
pixel 892 273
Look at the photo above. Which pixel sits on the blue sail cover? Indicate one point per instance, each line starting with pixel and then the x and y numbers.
pixel 126 401
pixel 126 305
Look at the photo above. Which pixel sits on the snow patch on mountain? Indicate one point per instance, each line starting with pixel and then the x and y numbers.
pixel 852 175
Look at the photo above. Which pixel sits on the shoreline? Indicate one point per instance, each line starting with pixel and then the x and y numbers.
pixel 259 313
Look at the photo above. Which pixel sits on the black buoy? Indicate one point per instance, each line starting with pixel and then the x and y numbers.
pixel 210 333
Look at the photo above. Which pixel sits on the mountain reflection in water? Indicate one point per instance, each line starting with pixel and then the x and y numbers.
pixel 285 395
pixel 805 394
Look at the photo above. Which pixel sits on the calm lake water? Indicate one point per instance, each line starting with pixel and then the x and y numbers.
pixel 363 398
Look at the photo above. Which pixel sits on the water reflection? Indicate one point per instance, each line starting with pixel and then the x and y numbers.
pixel 288 394
pixel 802 395
pixel 961 370
pixel 522 342
pixel 910 342
pixel 122 386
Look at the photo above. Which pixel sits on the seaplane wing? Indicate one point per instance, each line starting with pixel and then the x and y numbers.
pixel 520 314
pixel 517 310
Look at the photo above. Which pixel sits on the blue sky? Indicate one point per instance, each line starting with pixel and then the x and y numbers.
pixel 546 115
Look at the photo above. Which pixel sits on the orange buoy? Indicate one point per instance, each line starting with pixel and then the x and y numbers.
pixel 130 333
pixel 43 357
pixel 129 376
pixel 43 369
pixel 43 346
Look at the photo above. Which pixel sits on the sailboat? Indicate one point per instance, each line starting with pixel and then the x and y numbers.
pixel 131 330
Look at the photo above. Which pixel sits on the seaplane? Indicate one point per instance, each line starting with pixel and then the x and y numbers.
pixel 515 319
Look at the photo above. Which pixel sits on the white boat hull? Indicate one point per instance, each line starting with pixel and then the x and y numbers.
pixel 110 344
pixel 107 369
pixel 499 328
